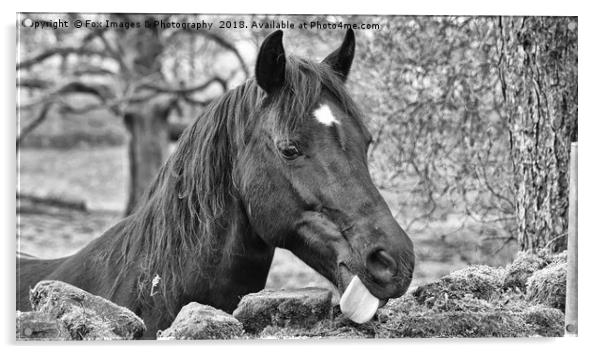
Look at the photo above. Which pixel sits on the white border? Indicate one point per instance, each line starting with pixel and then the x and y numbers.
pixel 589 169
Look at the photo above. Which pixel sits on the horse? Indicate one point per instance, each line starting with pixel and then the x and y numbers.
pixel 279 161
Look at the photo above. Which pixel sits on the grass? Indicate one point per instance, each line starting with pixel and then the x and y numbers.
pixel 97 176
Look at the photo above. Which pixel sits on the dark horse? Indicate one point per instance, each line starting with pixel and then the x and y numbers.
pixel 279 161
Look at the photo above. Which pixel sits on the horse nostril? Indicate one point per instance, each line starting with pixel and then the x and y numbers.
pixel 381 265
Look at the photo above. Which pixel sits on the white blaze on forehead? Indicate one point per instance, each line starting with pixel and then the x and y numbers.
pixel 324 115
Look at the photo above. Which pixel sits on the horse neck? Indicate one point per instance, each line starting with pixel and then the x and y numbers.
pixel 237 265
pixel 191 229
pixel 243 266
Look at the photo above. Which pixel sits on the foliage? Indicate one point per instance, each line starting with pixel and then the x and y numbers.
pixel 430 89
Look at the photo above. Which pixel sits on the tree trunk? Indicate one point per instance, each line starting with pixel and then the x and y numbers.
pixel 146 121
pixel 148 146
pixel 538 73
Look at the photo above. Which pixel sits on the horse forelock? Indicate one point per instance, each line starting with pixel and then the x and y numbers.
pixel 305 83
pixel 180 218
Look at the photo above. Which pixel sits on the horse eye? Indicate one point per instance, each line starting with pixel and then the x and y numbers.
pixel 289 150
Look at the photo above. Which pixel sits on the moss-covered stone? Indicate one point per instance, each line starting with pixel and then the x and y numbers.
pixel 196 321
pixel 478 281
pixel 85 316
pixel 547 286
pixel 522 268
pixel 405 317
pixel 472 302
pixel 545 321
pixel 489 323
pixel 292 308
pixel 561 257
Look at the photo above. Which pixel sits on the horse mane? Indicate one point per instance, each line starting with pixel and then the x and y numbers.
pixel 185 210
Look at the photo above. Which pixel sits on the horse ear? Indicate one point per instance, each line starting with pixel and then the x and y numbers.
pixel 340 60
pixel 271 61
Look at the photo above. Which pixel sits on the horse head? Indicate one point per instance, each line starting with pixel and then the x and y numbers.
pixel 304 180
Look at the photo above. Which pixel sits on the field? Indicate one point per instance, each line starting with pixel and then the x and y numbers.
pixel 98 177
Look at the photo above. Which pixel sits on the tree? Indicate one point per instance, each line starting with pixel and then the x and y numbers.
pixel 123 70
pixel 538 72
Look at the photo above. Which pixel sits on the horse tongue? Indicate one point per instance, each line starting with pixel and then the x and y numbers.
pixel 357 303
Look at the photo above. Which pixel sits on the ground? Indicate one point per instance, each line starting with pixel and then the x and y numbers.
pixel 98 176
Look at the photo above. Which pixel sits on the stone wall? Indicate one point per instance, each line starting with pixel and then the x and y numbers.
pixel 526 298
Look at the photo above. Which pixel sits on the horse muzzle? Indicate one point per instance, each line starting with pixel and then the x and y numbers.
pixel 368 270
pixel 366 286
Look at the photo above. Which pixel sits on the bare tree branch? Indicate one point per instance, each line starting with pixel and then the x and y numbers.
pixel 115 52
pixel 223 42
pixel 112 105
pixel 27 63
pixel 34 123
pixel 65 107
pixel 92 70
pixel 99 91
pixel 192 101
pixel 34 83
pixel 188 90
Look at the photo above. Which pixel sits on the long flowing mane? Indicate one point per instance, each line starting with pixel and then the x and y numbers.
pixel 189 204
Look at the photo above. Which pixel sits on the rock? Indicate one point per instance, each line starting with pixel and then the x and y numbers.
pixel 522 268
pixel 406 317
pixel 40 326
pixel 467 303
pixel 196 321
pixel 291 308
pixel 85 316
pixel 487 323
pixel 479 281
pixel 561 257
pixel 323 329
pixel 545 321
pixel 547 286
